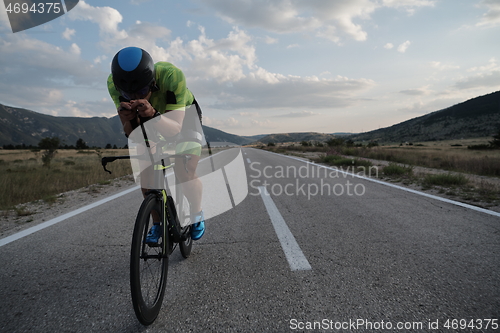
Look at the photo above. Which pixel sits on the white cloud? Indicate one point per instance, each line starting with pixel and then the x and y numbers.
pixel 45 71
pixel 100 59
pixel 300 114
pixel 68 33
pixel 262 89
pixel 440 66
pixel 409 5
pixel 417 92
pixel 221 60
pixel 270 40
pixel 326 19
pixel 106 17
pixel 492 16
pixel 388 46
pixel 483 80
pixel 75 49
pixel 403 47
pixel 4 19
pixel 491 66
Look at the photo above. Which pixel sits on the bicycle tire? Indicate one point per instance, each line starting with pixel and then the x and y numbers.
pixel 148 265
pixel 184 214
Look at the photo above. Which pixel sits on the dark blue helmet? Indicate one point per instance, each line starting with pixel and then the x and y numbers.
pixel 133 69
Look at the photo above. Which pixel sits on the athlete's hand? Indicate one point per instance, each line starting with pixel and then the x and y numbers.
pixel 126 112
pixel 143 107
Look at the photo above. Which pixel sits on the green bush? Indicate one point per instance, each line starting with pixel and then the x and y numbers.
pixel 394 169
pixel 445 180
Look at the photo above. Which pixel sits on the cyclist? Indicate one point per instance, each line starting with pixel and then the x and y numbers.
pixel 142 90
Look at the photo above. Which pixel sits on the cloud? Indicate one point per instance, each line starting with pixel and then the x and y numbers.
pixel 442 67
pixel 388 46
pixel 100 59
pixel 68 33
pixel 492 17
pixel 4 20
pixel 403 47
pixel 483 80
pixel 409 5
pixel 326 19
pixel 75 49
pixel 43 70
pixel 106 17
pixel 270 40
pixel 487 76
pixel 416 92
pixel 262 89
pixel 300 114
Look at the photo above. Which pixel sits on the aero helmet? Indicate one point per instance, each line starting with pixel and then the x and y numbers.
pixel 133 69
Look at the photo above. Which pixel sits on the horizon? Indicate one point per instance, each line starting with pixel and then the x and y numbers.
pixel 274 67
pixel 294 132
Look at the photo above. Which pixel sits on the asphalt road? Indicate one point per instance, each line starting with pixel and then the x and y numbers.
pixel 333 252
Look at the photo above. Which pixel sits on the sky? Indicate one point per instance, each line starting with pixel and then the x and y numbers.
pixel 265 66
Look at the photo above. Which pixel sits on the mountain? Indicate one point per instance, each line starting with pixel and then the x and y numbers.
pixel 21 126
pixel 295 137
pixel 18 126
pixel 476 117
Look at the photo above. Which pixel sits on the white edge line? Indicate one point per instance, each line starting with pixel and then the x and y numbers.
pixel 457 203
pixel 41 226
pixel 294 255
pixel 63 217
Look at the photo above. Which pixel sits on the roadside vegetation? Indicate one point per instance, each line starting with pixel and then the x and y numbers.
pixel 29 175
pixel 454 160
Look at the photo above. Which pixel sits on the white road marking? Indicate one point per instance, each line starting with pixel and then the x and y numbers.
pixel 248 160
pixel 61 218
pixel 461 204
pixel 58 219
pixel 293 253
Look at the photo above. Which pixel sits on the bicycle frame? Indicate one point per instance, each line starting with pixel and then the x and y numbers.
pixel 169 213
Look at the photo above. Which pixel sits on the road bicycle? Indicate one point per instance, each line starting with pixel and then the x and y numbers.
pixel 149 262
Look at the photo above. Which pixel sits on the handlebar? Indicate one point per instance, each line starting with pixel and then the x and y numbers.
pixel 108 159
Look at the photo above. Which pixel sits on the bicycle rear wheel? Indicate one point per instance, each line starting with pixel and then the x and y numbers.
pixel 148 264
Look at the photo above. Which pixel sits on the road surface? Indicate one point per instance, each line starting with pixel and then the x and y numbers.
pixel 303 252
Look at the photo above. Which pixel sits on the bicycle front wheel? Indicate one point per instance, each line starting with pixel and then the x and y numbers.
pixel 183 212
pixel 148 264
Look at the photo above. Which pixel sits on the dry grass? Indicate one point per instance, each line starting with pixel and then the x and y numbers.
pixel 23 178
pixel 451 155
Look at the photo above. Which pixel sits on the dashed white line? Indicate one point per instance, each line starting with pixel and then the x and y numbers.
pixel 294 255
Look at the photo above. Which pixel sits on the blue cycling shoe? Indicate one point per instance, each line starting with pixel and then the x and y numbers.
pixel 198 228
pixel 154 235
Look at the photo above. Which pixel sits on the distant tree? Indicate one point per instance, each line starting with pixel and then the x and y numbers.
pixel 496 140
pixel 80 144
pixel 305 143
pixel 115 147
pixel 318 144
pixel 334 142
pixel 50 146
pixel 108 146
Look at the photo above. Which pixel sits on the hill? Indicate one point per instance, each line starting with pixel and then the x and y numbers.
pixel 295 137
pixel 476 117
pixel 21 126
